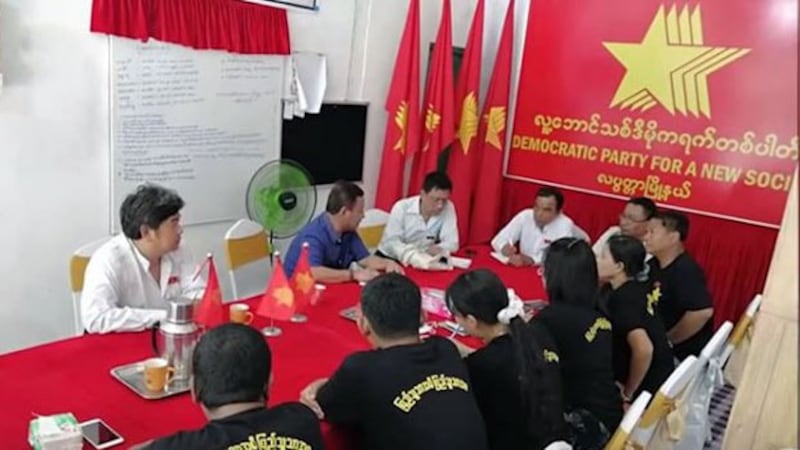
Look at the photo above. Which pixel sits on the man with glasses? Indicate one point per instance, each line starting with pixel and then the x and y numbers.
pixel 422 225
pixel 632 222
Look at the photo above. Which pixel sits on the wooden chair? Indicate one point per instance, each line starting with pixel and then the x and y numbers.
pixel 619 440
pixel 371 228
pixel 247 253
pixel 77 273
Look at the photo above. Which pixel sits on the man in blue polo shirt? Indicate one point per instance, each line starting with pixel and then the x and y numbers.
pixel 333 244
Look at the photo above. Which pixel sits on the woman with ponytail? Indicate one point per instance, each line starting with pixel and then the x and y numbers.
pixel 515 376
pixel 642 354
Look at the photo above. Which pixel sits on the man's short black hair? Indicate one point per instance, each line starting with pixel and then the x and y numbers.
pixel 674 221
pixel 647 205
pixel 392 304
pixel 231 364
pixel 149 205
pixel 343 195
pixel 437 180
pixel 549 191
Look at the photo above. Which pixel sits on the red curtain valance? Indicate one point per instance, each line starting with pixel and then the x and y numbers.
pixel 734 255
pixel 230 25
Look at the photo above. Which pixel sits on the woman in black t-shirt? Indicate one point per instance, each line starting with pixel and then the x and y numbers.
pixel 583 336
pixel 642 355
pixel 515 377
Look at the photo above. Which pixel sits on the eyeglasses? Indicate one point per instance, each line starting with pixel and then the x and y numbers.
pixel 631 219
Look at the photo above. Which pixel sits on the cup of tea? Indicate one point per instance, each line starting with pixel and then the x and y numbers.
pixel 157 374
pixel 240 313
pixel 319 289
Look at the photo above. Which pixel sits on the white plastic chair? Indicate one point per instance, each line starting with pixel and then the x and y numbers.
pixel 619 439
pixel 371 227
pixel 741 329
pixel 77 273
pixel 247 253
pixel 665 402
pixel 701 389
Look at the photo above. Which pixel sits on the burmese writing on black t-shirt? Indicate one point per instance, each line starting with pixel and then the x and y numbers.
pixel 415 396
pixel 287 426
pixel 584 342
pixel 494 373
pixel 681 287
pixel 632 307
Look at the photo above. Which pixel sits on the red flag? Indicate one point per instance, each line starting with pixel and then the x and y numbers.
pixel 486 203
pixel 438 121
pixel 402 106
pixel 210 312
pixel 463 157
pixel 302 280
pixel 278 301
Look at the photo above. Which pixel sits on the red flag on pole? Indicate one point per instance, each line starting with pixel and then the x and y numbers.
pixel 210 312
pixel 302 280
pixel 463 157
pixel 278 301
pixel 402 106
pixel 438 121
pixel 486 203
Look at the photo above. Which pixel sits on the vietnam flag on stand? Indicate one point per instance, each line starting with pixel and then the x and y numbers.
pixel 278 301
pixel 463 162
pixel 438 121
pixel 402 106
pixel 302 280
pixel 210 312
pixel 488 187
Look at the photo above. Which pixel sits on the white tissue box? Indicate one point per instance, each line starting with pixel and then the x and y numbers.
pixel 56 432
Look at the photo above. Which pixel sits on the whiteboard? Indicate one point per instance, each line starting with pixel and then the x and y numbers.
pixel 197 121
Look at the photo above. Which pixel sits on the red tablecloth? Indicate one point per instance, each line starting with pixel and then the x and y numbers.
pixel 73 375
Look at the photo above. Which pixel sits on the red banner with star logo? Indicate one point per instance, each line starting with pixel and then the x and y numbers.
pixel 691 104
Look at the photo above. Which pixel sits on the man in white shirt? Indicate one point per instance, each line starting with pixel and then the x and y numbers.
pixel 525 239
pixel 422 223
pixel 129 279
pixel 632 222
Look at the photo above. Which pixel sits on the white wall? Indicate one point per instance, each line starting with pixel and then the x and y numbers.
pixel 54 134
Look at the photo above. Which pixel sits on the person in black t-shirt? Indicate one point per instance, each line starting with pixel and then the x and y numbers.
pixel 406 393
pixel 231 368
pixel 684 303
pixel 515 377
pixel 642 355
pixel 583 336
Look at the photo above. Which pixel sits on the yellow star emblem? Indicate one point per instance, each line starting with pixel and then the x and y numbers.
pixel 284 296
pixel 432 121
pixel 468 125
pixel 495 124
pixel 670 65
pixel 401 120
pixel 652 299
pixel 304 282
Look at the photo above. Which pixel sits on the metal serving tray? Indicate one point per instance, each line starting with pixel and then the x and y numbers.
pixel 132 376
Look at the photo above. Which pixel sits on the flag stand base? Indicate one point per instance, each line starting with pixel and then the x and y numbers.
pixel 299 318
pixel 271 331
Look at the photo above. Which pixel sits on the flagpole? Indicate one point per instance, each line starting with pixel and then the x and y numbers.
pixel 271 330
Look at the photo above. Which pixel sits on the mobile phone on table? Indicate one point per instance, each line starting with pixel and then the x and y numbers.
pixel 100 435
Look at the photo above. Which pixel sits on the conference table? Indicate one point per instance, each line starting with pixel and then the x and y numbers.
pixel 73 375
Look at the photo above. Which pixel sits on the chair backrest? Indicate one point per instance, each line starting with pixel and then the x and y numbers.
pixel 247 253
pixel 77 273
pixel 620 438
pixel 664 401
pixel 742 326
pixel 371 227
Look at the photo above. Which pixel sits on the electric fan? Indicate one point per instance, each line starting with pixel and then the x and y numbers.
pixel 281 197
